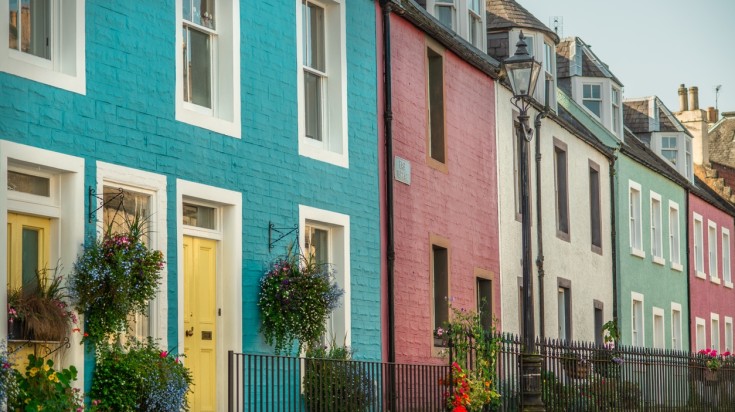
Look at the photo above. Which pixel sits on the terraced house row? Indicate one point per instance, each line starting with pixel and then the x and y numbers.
pixel 380 137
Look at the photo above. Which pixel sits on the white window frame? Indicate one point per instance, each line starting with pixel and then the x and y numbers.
pixel 676 335
pixel 698 235
pixel 657 237
pixel 675 237
pixel 728 334
pixel 635 218
pixel 712 252
pixel 675 149
pixel 726 258
pixel 601 99
pixel 616 111
pixel 481 31
pixel 660 341
pixel 339 225
pixel 153 185
pixel 334 145
pixel 66 69
pixel 714 331
pixel 700 339
pixel 688 158
pixel 432 5
pixel 224 116
pixel 638 331
pixel 229 270
pixel 66 210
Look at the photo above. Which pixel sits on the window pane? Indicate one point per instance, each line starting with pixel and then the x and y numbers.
pixel 199 12
pixel 313 33
pixel 30 21
pixel 441 286
pixel 594 106
pixel 445 14
pixel 595 218
pixel 197 68
pixel 484 302
pixel 560 159
pixel 436 106
pixel 199 216
pixel 313 105
pixel 120 210
pixel 316 243
pixel 35 185
pixel 30 257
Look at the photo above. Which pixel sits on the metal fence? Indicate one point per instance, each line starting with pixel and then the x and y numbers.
pixel 576 377
pixel 281 383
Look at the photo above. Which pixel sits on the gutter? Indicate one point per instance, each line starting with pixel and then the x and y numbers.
pixel 614 236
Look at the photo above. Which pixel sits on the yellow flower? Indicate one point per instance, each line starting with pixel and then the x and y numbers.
pixel 39 408
pixel 27 400
pixel 33 371
pixel 46 367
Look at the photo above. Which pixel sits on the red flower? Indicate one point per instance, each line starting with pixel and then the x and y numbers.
pixel 459 408
pixel 164 353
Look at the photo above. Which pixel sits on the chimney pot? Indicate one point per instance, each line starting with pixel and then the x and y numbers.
pixel 683 106
pixel 711 115
pixel 693 98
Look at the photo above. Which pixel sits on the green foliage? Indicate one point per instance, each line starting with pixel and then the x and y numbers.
pixel 114 277
pixel 473 386
pixel 139 377
pixel 296 298
pixel 44 388
pixel 333 383
pixel 589 395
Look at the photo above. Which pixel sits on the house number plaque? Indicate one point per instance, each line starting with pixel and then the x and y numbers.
pixel 402 170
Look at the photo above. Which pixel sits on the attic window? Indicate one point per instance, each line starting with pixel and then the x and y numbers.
pixel 591 98
pixel 669 149
pixel 445 12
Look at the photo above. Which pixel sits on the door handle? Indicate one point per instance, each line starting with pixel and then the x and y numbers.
pixel 189 332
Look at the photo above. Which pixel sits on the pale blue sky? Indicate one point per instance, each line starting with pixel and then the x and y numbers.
pixel 652 46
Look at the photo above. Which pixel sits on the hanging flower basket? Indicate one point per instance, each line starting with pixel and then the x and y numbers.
pixel 575 365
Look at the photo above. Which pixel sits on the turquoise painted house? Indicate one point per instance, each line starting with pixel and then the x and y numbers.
pixel 228 126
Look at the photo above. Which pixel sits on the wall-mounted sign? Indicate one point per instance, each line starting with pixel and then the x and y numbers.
pixel 402 170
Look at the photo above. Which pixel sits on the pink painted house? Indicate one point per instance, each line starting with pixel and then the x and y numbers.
pixel 711 293
pixel 440 205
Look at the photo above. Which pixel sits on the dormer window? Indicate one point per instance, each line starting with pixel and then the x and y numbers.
pixel 474 22
pixel 592 99
pixel 615 103
pixel 669 148
pixel 445 11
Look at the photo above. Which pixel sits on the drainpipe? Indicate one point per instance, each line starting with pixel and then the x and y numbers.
pixel 614 236
pixel 387 8
pixel 539 238
pixel 688 268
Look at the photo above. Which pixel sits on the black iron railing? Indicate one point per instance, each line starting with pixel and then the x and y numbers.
pixel 281 383
pixel 575 377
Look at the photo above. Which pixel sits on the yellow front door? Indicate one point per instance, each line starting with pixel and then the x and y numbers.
pixel 200 319
pixel 28 254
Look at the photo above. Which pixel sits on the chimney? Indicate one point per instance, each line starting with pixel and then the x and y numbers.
pixel 693 98
pixel 683 107
pixel 712 115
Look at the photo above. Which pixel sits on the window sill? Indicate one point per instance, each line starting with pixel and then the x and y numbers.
pixel 435 164
pixel 659 260
pixel 701 275
pixel 677 267
pixel 16 64
pixel 563 236
pixel 209 122
pixel 728 285
pixel 596 249
pixel 637 252
pixel 309 150
pixel 716 281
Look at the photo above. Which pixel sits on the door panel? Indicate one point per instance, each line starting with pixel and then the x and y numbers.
pixel 200 319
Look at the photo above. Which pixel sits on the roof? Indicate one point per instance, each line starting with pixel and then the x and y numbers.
pixel 574 57
pixel 650 114
pixel 702 190
pixel 637 150
pixel 569 122
pixel 504 15
pixel 722 141
pixel 422 19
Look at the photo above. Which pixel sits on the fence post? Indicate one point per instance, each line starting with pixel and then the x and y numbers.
pixel 230 375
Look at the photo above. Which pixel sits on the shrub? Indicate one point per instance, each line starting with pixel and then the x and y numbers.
pixel 333 383
pixel 44 388
pixel 140 377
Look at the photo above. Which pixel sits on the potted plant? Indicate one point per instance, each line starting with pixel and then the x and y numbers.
pixel 39 310
pixel 114 277
pixel 708 361
pixel 296 297
pixel 332 383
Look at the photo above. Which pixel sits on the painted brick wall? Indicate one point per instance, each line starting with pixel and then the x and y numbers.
pixel 707 297
pixel 460 205
pixel 127 118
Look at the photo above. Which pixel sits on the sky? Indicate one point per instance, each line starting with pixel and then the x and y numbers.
pixel 653 46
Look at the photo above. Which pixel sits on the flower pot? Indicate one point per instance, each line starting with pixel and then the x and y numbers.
pixel 710 375
pixel 577 369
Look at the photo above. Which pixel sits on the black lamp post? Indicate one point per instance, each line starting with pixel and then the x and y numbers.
pixel 523 71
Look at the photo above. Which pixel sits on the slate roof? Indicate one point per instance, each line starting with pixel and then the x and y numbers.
pixel 702 190
pixel 635 115
pixel 637 150
pixel 591 65
pixel 570 122
pixel 503 15
pixel 722 140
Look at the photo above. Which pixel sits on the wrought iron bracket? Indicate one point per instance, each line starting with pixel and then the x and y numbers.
pixel 95 198
pixel 281 232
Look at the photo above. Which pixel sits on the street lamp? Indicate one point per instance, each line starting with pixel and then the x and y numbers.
pixel 522 71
